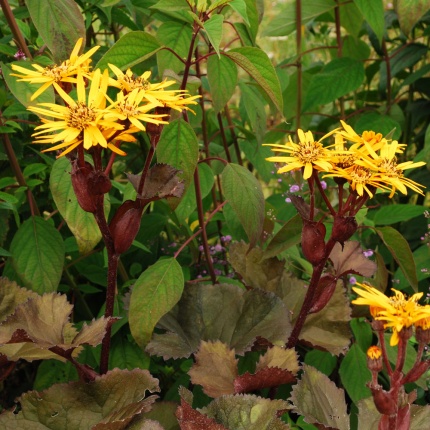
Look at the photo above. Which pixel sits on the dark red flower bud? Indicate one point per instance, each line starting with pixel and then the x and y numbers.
pixel 343 228
pixel 125 225
pixel 99 183
pixel 81 185
pixel 313 244
pixel 384 401
pixel 324 292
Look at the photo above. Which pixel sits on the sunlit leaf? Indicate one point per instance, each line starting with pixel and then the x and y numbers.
pixel 214 30
pixel 373 12
pixel 156 291
pixel 11 295
pixel 319 400
pixel 215 368
pixel 409 13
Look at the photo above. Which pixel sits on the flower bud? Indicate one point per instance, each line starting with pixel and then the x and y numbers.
pixel 324 292
pixel 422 330
pixel 81 176
pixel 343 228
pixel 99 183
pixel 125 225
pixel 313 244
pixel 374 358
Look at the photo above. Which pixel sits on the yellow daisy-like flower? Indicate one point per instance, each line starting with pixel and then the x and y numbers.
pixel 368 139
pixel 308 154
pixel 52 75
pixel 396 312
pixel 80 121
pixel 154 93
pixel 129 107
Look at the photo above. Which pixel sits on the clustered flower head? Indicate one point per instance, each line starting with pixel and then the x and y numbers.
pixel 367 161
pixel 91 118
pixel 395 312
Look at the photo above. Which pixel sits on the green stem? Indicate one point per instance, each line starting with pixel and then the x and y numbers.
pixel 224 138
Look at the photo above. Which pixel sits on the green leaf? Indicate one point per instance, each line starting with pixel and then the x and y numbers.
pixel 177 36
pixel 170 5
pixel 213 27
pixel 50 372
pixel 129 50
pixel 245 315
pixel 154 294
pixel 82 224
pixel 125 354
pixel 240 7
pixel 258 65
pixel 222 77
pixel 247 412
pixel 354 373
pixel 109 402
pixel 409 13
pixel 188 202
pixel 363 333
pixel 421 259
pixel 59 23
pixel 373 12
pixel 392 214
pixel 336 79
pixel 38 255
pixel 11 295
pixel 255 109
pixel 245 195
pixel 401 252
pixel 24 90
pixel 178 147
pixel 290 234
pixel 351 20
pixel 319 400
pixel 355 48
pixel 284 19
pixel 322 360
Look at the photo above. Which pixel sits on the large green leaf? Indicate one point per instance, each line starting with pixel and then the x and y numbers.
pixel 255 110
pixel 256 62
pixel 379 123
pixel 109 402
pixel 178 147
pixel 213 27
pixel 409 13
pixel 421 259
pixel 222 77
pixel 154 294
pixel 244 193
pixel 373 12
pixel 319 400
pixel 171 5
pixel 59 23
pixel 176 36
pixel 354 373
pixel 401 252
pixel 336 79
pixel 24 90
pixel 284 20
pixel 82 224
pixel 221 312
pixel 392 214
pixel 37 255
pixel 131 49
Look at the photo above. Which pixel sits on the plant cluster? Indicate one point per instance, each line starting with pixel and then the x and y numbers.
pixel 221 185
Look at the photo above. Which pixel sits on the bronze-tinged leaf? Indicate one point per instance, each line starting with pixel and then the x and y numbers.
pixel 162 412
pixel 265 378
pixel 215 368
pixel 108 402
pixel 351 259
pixel 281 358
pixel 368 415
pixel 245 411
pixel 42 323
pixel 190 419
pixel 221 312
pixel 11 295
pixel 319 400
pixel 162 181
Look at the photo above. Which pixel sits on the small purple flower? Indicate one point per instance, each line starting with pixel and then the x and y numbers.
pixel 280 180
pixel 19 55
pixel 294 188
pixel 352 280
pixel 201 249
pixel 218 248
pixel 217 272
pixel 288 200
pixel 368 253
pixel 323 185
pixel 226 239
